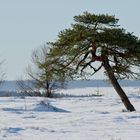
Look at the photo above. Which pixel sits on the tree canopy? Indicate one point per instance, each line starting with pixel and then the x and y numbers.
pixel 103 35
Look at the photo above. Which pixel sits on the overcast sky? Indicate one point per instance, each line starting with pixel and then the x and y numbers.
pixel 28 24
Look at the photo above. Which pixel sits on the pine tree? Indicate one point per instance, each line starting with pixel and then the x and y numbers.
pixel 99 38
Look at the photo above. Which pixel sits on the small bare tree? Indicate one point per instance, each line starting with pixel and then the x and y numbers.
pixel 47 73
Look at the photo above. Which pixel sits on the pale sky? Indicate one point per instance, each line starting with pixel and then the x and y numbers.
pixel 28 24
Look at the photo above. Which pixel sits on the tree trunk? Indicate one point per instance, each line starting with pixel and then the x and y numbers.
pixel 117 86
pixel 48 92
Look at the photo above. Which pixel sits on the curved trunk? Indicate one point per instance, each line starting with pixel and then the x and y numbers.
pixel 117 86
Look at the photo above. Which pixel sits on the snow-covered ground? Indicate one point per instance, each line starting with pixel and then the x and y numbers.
pixel 71 118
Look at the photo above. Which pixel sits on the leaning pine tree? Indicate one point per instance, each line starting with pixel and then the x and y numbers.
pixel 98 38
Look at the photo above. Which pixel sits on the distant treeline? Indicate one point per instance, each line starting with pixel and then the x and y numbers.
pixel 12 85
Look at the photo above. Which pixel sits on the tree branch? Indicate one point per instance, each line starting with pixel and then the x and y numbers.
pixel 96 70
pixel 84 66
pixel 89 64
pixel 86 55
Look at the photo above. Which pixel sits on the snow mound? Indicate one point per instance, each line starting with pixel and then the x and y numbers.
pixel 47 107
pixel 32 106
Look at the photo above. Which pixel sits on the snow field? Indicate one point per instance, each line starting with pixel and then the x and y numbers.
pixel 71 118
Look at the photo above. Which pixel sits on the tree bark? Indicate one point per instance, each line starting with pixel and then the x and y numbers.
pixel 48 92
pixel 117 86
